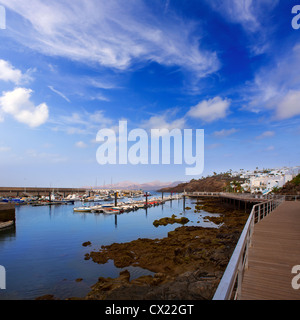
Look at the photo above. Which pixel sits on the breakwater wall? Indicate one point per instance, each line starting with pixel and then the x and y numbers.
pixel 20 192
pixel 7 212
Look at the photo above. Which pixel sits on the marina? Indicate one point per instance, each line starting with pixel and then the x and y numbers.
pixel 43 251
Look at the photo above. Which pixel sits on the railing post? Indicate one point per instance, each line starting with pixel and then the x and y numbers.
pixel 250 234
pixel 240 279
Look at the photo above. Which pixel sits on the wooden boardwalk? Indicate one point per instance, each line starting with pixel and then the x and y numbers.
pixel 274 252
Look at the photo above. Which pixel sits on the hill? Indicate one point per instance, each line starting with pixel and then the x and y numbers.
pixel 215 183
pixel 291 187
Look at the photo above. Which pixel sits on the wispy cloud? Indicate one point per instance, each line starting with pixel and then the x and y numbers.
pixel 42 156
pixel 252 15
pixel 270 148
pixel 109 34
pixel 100 97
pixel 4 149
pixel 59 93
pixel 266 134
pixel 248 13
pixel 213 146
pixel 82 123
pixel 101 83
pixel 225 133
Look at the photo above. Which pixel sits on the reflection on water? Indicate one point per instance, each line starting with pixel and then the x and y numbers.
pixel 9 234
pixel 43 253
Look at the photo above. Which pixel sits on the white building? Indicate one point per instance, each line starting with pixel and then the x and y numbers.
pixel 265 182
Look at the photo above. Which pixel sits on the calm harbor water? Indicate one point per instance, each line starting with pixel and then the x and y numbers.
pixel 43 254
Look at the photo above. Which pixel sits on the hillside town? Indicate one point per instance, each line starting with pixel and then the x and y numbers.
pixel 263 181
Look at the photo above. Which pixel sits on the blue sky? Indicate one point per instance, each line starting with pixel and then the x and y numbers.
pixel 69 69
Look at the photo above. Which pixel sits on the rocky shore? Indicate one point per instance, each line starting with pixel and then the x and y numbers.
pixel 188 263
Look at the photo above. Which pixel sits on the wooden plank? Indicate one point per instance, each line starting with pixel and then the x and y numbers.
pixel 275 250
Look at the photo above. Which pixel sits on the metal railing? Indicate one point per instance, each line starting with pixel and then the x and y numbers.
pixel 231 283
pixel 290 197
pixel 201 194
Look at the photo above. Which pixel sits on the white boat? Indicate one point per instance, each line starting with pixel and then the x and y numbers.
pixel 111 211
pixel 108 205
pixel 74 197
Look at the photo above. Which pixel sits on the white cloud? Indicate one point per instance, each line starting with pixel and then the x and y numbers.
pixel 289 106
pixel 81 144
pixel 225 133
pixel 9 73
pixel 210 110
pixel 276 86
pixel 17 103
pixel 164 121
pixel 4 149
pixel 110 34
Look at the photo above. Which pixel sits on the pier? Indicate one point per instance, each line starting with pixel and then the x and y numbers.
pixel 241 201
pixel 261 265
pixel 274 252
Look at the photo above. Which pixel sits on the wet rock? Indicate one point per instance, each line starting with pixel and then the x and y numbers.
pixel 188 263
pixel 172 220
pixel 216 220
pixel 46 297
pixel 105 286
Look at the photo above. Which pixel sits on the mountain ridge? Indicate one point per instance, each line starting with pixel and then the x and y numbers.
pixel 147 186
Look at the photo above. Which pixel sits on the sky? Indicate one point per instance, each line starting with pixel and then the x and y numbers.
pixel 71 68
